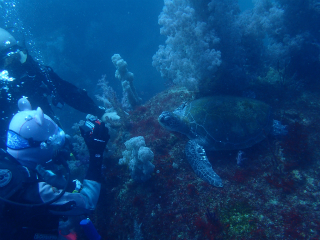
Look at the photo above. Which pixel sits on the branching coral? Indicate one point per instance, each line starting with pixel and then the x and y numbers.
pixel 109 99
pixel 189 52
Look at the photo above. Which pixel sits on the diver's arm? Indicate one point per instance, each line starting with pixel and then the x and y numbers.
pixel 74 96
pixel 96 139
pixel 85 201
pixel 77 203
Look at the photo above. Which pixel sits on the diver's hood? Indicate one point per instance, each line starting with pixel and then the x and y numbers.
pixel 6 40
pixel 33 137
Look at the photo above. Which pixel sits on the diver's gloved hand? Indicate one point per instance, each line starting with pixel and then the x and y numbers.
pixel 61 156
pixel 96 136
pixel 51 178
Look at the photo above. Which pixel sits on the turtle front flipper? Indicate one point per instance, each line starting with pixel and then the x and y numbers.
pixel 200 164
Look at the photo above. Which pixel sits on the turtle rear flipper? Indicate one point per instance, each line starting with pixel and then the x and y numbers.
pixel 200 164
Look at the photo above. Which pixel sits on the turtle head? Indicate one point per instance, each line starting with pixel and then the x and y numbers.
pixel 172 122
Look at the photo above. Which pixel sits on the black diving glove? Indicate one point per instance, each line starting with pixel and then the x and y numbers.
pixel 96 136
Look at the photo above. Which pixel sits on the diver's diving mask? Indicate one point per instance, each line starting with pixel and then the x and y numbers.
pixel 16 142
pixel 12 54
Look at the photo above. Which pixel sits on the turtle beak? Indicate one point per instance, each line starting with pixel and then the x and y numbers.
pixel 163 117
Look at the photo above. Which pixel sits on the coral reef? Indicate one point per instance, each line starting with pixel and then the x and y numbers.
pixel 270 52
pixel 137 232
pixel 290 37
pixel 259 200
pixel 79 146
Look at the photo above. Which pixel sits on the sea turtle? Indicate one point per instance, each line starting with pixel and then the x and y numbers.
pixel 218 123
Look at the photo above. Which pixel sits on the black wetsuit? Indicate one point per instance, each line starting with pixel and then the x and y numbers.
pixel 22 222
pixel 37 83
pixel 26 186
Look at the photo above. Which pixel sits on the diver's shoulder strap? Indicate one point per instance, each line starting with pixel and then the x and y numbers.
pixel 13 176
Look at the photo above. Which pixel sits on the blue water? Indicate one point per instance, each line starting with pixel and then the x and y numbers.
pixel 245 4
pixel 78 38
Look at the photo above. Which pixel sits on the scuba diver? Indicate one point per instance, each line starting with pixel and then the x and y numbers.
pixel 21 75
pixel 35 201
